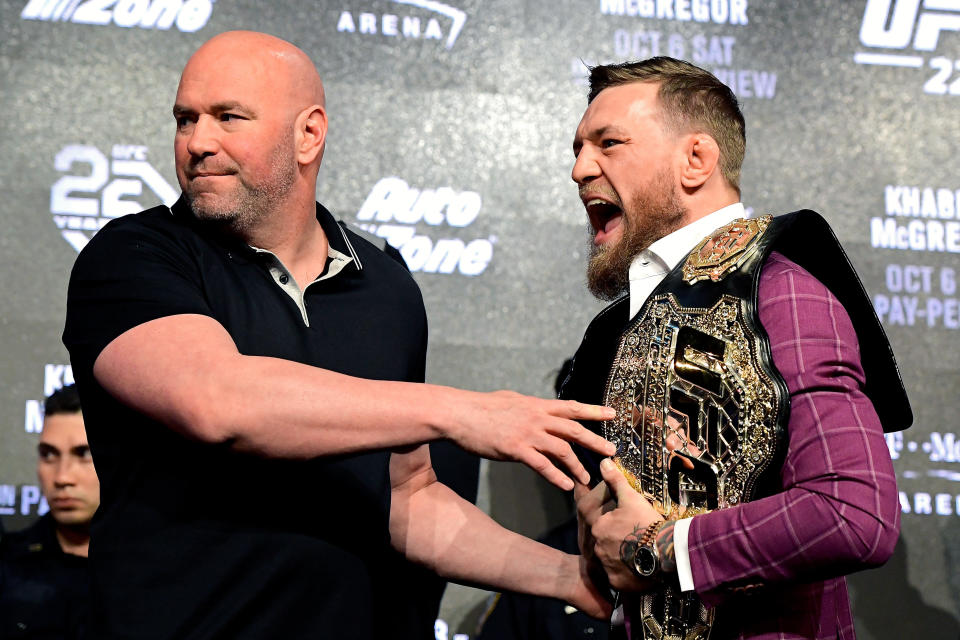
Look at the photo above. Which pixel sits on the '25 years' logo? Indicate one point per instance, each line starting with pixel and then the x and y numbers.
pixel 82 204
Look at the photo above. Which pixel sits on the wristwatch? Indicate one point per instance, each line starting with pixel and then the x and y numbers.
pixel 646 560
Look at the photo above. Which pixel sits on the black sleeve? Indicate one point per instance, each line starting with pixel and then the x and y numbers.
pixel 136 269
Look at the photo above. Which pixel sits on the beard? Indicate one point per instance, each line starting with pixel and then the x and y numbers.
pixel 249 202
pixel 652 214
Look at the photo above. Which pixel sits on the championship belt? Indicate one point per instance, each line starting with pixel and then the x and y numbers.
pixel 694 386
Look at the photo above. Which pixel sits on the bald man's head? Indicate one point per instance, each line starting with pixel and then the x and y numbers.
pixel 272 59
pixel 251 127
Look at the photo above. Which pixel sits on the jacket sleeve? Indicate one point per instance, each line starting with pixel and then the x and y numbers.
pixel 838 510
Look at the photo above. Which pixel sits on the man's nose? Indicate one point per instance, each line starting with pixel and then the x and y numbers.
pixel 66 472
pixel 585 168
pixel 203 140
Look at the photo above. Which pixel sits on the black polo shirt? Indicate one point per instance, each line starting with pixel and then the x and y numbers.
pixel 193 540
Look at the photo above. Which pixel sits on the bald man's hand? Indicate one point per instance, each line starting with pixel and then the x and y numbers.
pixel 505 425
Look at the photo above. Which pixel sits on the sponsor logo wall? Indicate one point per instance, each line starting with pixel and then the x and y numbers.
pixel 187 16
pixel 704 32
pixel 914 34
pixel 403 22
pixel 451 125
pixel 394 209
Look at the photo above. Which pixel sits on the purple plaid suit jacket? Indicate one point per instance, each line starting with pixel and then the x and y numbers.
pixel 776 564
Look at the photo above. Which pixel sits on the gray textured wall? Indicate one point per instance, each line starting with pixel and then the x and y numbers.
pixel 849 106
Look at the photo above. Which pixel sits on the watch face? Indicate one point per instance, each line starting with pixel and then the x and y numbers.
pixel 646 561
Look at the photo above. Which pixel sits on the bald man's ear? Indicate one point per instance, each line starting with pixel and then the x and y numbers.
pixel 702 156
pixel 311 135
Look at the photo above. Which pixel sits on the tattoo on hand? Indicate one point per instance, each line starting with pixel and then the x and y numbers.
pixel 664 542
pixel 628 548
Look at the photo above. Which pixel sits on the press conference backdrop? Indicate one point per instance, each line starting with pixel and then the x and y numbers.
pixel 450 135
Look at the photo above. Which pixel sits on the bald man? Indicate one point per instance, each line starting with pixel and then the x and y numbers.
pixel 251 373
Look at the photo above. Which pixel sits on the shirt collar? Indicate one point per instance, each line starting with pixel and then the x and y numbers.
pixel 666 253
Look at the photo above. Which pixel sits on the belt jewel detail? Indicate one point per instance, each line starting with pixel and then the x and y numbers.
pixel 724 250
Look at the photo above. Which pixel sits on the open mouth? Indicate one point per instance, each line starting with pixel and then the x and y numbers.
pixel 604 216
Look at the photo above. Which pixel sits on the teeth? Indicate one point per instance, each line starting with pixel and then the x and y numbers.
pixel 594 202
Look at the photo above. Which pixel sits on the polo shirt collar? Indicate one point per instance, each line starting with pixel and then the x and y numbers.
pixel 337 238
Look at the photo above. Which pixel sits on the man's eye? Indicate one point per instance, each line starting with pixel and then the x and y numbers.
pixel 609 142
pixel 229 117
pixel 182 121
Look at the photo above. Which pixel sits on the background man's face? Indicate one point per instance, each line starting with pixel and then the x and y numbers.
pixel 234 142
pixel 625 171
pixel 65 470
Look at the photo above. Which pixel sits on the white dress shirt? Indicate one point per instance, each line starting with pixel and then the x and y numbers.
pixel 647 270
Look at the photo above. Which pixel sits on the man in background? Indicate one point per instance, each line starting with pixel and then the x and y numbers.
pixel 43 569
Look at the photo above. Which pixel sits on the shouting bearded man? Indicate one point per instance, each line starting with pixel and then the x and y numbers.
pixel 751 472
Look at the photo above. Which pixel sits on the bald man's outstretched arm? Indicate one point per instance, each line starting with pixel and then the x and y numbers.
pixel 186 372
pixel 433 526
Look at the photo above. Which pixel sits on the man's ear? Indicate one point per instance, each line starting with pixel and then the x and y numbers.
pixel 701 159
pixel 311 128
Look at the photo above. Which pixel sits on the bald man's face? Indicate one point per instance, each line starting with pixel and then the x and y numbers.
pixel 234 145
